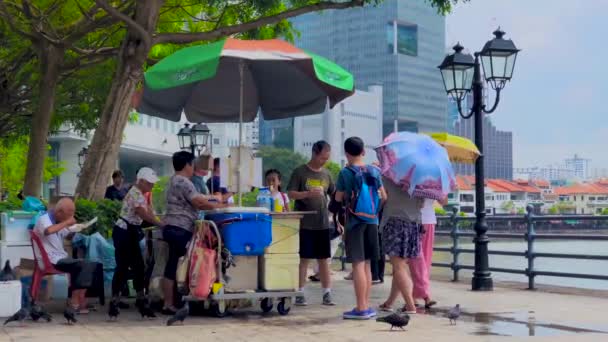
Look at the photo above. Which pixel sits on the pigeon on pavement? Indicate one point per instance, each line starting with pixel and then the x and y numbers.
pixel 395 320
pixel 7 273
pixel 180 315
pixel 453 314
pixel 37 312
pixel 70 315
pixel 18 316
pixel 114 310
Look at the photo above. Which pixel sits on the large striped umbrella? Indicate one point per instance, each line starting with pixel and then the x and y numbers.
pixel 231 80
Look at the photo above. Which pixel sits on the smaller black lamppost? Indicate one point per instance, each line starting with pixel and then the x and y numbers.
pixel 461 74
pixel 82 157
pixel 196 139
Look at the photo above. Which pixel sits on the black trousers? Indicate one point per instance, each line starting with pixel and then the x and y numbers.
pixel 128 256
pixel 377 266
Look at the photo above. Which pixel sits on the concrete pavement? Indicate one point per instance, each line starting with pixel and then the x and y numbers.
pixel 506 314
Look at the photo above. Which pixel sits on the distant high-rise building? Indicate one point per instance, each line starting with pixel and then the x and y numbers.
pixel 497 149
pixel 397 44
pixel 580 166
pixel 277 133
pixel 359 115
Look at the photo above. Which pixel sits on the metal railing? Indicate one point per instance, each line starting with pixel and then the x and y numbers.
pixel 527 224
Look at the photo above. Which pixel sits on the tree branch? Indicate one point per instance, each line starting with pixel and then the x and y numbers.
pixel 141 32
pixel 4 13
pixel 88 22
pixel 184 38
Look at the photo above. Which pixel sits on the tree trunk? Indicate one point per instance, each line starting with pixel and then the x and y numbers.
pixel 50 58
pixel 105 146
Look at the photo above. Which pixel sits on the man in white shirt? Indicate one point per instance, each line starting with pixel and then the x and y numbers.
pixel 53 228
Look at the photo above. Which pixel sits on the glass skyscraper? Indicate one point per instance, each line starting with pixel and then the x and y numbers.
pixel 397 44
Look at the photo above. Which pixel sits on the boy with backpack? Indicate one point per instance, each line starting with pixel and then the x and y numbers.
pixel 360 189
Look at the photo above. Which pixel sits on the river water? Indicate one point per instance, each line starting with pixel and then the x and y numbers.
pixel 541 264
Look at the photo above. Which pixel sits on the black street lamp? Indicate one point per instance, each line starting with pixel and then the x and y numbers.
pixel 197 138
pixel 82 156
pixel 461 74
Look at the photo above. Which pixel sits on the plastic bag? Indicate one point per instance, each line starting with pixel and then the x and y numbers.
pixel 183 266
pixel 33 204
pixel 203 264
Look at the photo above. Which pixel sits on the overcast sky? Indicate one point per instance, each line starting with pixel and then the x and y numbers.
pixel 556 104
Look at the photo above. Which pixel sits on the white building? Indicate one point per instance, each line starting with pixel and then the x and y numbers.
pixel 359 115
pixel 148 142
pixel 226 135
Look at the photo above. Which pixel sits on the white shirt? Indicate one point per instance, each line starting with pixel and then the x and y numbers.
pixel 282 199
pixel 52 243
pixel 427 212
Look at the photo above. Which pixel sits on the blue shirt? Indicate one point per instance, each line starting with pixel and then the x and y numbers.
pixel 347 184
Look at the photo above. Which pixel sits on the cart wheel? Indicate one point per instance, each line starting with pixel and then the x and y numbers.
pixel 284 306
pixel 266 305
pixel 219 309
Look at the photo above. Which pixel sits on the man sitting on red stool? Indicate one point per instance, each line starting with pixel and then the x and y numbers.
pixel 55 226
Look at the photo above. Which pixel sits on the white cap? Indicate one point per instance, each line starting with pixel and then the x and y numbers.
pixel 147 174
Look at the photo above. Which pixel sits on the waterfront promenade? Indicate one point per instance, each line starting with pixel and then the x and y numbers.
pixel 506 314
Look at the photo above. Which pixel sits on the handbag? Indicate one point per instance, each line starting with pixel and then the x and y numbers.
pixel 203 264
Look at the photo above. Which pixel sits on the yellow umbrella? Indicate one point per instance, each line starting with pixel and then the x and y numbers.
pixel 460 150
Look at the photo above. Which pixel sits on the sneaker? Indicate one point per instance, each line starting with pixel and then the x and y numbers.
pixel 327 300
pixel 356 314
pixel 372 313
pixel 301 301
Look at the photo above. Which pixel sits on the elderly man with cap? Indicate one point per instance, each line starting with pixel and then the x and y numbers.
pixel 127 235
pixel 55 226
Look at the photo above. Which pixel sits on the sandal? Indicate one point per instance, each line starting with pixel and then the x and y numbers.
pixel 385 308
pixel 405 311
pixel 429 304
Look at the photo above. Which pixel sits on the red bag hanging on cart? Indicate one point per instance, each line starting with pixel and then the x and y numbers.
pixel 203 263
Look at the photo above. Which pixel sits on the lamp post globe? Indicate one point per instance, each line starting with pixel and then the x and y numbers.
pixel 498 58
pixel 200 134
pixel 457 73
pixel 184 137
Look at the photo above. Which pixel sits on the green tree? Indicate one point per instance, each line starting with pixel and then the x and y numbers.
pixel 13 159
pixel 508 206
pixel 521 211
pixel 156 27
pixel 333 168
pixel 605 211
pixel 281 159
pixel 554 210
pixel 440 211
pixel 64 37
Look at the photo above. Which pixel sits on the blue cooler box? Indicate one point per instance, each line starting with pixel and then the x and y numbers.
pixel 245 231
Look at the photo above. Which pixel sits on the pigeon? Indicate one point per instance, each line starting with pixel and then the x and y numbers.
pixel 144 308
pixel 180 315
pixel 37 312
pixel 453 314
pixel 114 310
pixel 7 273
pixel 19 316
pixel 70 315
pixel 395 320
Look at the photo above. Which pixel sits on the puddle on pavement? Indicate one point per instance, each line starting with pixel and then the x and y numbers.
pixel 516 324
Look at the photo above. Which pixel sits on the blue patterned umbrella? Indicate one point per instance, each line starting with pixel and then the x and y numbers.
pixel 418 164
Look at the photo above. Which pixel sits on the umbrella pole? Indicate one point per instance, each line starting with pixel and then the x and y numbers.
pixel 241 105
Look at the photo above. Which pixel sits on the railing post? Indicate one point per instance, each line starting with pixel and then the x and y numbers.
pixel 454 234
pixel 530 236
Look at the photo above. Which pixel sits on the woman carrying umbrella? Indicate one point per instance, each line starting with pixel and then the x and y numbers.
pixel 415 168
